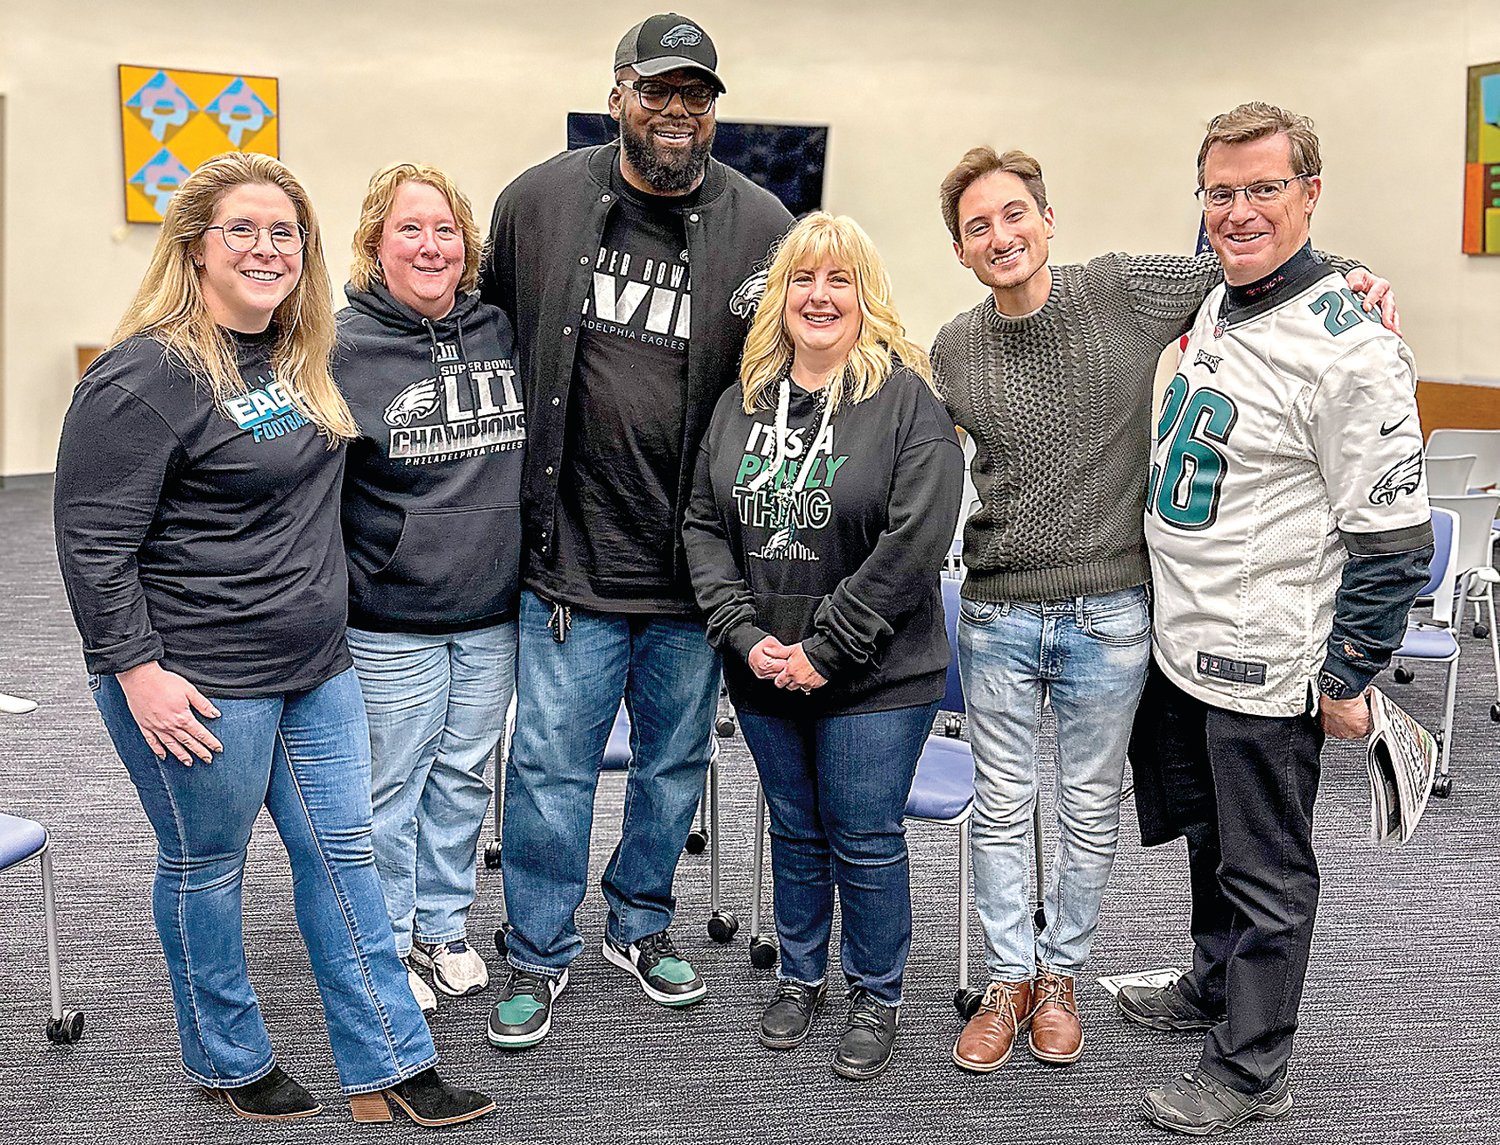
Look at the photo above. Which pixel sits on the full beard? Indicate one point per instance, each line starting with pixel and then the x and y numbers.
pixel 672 173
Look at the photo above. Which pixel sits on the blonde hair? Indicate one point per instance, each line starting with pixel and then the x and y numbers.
pixel 380 197
pixel 768 346
pixel 1257 119
pixel 170 308
pixel 974 166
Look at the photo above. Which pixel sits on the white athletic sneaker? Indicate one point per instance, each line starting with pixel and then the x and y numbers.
pixel 457 968
pixel 422 992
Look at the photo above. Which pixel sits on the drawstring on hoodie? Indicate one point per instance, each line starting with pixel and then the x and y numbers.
pixel 780 460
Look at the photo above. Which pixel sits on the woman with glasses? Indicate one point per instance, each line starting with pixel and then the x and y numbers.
pixel 198 533
pixel 432 528
pixel 827 490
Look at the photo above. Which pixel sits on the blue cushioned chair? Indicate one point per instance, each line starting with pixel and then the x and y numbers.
pixel 1434 639
pixel 942 793
pixel 22 839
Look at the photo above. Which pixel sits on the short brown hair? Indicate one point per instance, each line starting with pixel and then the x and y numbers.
pixel 1256 120
pixel 975 165
pixel 380 197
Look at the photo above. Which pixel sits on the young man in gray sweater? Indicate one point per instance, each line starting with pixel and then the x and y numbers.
pixel 1051 375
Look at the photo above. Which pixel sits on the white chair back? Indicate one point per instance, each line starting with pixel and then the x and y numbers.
pixel 1484 444
pixel 1444 582
pixel 1449 476
pixel 1475 538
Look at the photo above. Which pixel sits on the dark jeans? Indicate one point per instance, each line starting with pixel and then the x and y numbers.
pixel 1254 877
pixel 837 789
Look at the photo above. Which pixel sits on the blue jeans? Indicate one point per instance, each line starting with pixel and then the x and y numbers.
pixel 837 789
pixel 1088 656
pixel 566 699
pixel 304 756
pixel 437 708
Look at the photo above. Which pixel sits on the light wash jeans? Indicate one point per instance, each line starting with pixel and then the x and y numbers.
pixel 1088 656
pixel 437 707
pixel 304 756
pixel 568 695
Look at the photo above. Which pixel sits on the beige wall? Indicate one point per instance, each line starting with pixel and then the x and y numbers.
pixel 1112 97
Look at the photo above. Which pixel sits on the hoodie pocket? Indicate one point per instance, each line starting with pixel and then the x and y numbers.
pixel 450 565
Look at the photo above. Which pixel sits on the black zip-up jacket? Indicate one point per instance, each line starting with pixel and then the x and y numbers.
pixel 533 272
pixel 848 564
pixel 431 492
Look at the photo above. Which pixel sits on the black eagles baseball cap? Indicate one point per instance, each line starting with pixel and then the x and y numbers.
pixel 668 41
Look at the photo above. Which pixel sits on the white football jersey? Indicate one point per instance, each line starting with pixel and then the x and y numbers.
pixel 1278 433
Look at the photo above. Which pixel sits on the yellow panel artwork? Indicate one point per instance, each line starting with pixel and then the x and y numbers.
pixel 172 120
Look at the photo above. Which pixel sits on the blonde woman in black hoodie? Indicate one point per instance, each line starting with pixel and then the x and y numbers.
pixel 432 529
pixel 827 491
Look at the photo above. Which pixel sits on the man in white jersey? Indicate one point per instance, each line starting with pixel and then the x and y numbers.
pixel 1289 531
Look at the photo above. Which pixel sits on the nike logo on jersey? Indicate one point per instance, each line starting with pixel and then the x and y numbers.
pixel 1387 430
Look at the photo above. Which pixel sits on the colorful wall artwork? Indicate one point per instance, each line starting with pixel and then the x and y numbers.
pixel 172 120
pixel 1482 170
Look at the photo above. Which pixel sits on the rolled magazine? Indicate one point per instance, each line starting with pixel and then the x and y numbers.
pixel 1402 762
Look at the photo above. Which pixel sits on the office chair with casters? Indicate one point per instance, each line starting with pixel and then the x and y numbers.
pixel 1434 640
pixel 20 840
pixel 1477 577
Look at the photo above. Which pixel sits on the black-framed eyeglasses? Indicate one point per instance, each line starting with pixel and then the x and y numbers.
pixel 1261 192
pixel 654 95
pixel 241 235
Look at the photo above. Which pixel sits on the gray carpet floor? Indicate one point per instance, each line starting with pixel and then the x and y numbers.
pixel 1400 1023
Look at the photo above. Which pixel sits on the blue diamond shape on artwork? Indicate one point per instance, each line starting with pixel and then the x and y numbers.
pixel 162 105
pixel 240 111
pixel 160 178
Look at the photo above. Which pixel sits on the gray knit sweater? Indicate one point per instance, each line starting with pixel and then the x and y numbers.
pixel 1058 404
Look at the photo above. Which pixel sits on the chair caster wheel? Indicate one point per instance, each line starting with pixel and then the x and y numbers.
pixel 762 953
pixel 67 1030
pixel 1403 675
pixel 1495 713
pixel 492 856
pixel 722 926
pixel 1442 786
pixel 724 727
pixel 501 946
pixel 966 1002
pixel 1481 631
pixel 953 726
pixel 697 841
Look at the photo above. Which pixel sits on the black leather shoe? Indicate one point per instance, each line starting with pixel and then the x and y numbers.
pixel 787 1020
pixel 865 1049
pixel 275 1097
pixel 426 1098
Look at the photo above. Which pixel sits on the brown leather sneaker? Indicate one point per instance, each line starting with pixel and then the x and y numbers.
pixel 991 1033
pixel 1056 1033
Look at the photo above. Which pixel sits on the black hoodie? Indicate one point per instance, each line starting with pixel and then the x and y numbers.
pixel 432 491
pixel 848 564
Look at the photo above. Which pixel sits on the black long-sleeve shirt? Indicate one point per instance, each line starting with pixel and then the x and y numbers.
pixel 205 538
pixel 848 565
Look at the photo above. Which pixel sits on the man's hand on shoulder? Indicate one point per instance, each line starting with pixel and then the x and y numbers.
pixel 1346 719
pixel 1377 294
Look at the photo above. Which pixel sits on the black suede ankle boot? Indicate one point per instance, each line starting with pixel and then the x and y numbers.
pixel 275 1097
pixel 426 1098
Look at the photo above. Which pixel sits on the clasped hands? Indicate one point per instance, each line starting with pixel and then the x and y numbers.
pixel 785 665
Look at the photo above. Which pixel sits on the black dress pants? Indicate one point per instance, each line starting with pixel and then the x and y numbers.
pixel 1241 790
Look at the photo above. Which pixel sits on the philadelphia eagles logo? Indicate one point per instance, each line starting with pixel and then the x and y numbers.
pixel 1403 477
pixel 682 36
pixel 747 296
pixel 413 403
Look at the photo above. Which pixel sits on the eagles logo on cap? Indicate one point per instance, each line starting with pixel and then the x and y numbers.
pixel 666 42
pixel 680 35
